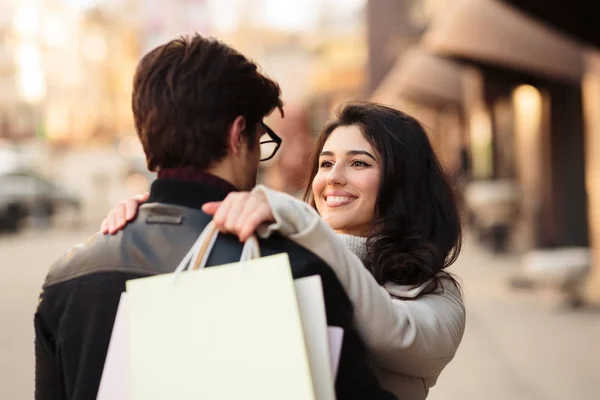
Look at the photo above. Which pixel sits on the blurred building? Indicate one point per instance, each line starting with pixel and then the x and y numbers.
pixel 403 74
pixel 339 48
pixel 89 74
pixel 161 21
pixel 520 81
pixel 21 76
pixel 65 71
pixel 392 27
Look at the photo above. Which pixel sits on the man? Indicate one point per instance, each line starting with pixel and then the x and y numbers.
pixel 198 107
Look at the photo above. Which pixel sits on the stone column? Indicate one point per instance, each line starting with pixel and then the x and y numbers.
pixel 591 110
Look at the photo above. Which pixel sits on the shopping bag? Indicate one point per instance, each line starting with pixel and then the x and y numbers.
pixel 114 384
pixel 309 292
pixel 226 332
pixel 335 338
pixel 115 380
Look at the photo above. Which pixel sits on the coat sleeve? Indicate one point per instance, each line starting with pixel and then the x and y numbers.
pixel 74 323
pixel 415 337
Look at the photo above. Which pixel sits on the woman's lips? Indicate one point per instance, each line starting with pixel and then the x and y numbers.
pixel 338 201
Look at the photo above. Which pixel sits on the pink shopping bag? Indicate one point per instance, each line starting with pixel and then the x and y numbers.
pixel 114 384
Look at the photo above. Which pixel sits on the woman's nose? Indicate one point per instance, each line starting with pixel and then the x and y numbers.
pixel 336 176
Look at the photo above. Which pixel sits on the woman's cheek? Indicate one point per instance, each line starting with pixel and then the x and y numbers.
pixel 318 184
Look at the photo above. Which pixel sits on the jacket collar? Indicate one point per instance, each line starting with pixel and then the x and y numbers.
pixel 407 291
pixel 187 193
pixel 195 175
pixel 412 292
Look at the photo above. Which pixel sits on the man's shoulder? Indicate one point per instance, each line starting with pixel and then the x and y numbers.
pixel 99 253
pixel 138 248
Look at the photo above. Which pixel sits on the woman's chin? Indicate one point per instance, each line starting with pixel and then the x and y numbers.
pixel 346 229
pixel 350 228
pixel 346 224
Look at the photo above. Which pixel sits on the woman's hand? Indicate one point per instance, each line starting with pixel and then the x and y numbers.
pixel 241 213
pixel 119 216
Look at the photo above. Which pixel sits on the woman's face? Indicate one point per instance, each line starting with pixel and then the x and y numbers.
pixel 347 182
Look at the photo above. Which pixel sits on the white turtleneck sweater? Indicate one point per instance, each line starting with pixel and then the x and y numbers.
pixel 356 244
pixel 411 337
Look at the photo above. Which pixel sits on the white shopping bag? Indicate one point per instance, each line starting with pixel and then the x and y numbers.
pixel 296 360
pixel 226 332
pixel 309 292
pixel 114 384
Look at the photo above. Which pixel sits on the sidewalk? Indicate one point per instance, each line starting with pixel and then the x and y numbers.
pixel 516 346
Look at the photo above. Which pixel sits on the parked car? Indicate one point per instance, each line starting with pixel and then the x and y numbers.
pixel 26 193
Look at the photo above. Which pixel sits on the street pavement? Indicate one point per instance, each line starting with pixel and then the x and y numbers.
pixel 516 346
pixel 24 261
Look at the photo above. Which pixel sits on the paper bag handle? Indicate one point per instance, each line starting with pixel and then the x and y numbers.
pixel 250 251
pixel 198 254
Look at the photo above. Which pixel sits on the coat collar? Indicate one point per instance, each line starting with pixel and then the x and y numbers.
pixel 412 292
pixel 187 193
pixel 195 175
pixel 406 291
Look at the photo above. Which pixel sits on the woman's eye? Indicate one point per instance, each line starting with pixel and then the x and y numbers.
pixel 358 163
pixel 326 164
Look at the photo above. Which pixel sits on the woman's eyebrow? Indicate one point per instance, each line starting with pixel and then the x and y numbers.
pixel 350 153
pixel 360 153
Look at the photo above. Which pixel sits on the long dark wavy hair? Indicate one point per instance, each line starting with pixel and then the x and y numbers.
pixel 417 231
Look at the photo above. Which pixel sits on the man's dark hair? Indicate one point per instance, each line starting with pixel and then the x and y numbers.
pixel 186 95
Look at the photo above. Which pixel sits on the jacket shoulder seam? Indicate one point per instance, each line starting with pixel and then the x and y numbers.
pixel 100 269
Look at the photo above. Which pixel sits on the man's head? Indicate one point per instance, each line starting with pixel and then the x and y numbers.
pixel 199 103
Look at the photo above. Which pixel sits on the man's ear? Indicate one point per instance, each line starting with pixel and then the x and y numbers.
pixel 236 138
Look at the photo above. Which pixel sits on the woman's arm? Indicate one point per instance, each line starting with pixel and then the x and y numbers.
pixel 413 337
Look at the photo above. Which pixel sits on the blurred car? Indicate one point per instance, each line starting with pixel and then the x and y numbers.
pixel 25 193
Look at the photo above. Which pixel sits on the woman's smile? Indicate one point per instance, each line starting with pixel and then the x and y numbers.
pixel 346 185
pixel 338 199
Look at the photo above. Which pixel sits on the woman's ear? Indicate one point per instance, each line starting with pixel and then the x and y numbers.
pixel 235 135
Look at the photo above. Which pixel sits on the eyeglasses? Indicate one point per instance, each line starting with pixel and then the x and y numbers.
pixel 269 143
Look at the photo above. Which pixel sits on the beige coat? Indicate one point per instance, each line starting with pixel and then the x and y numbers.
pixel 411 339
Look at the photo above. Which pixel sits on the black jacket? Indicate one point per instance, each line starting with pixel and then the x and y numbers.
pixel 77 307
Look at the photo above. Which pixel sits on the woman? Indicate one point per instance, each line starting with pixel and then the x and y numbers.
pixel 378 190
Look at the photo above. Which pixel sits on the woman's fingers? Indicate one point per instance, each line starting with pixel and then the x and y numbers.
pixel 131 206
pixel 109 223
pixel 240 213
pixel 238 202
pixel 142 197
pixel 222 212
pixel 104 226
pixel 211 207
pixel 112 218
pixel 256 211
pixel 253 220
pixel 126 211
pixel 117 217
